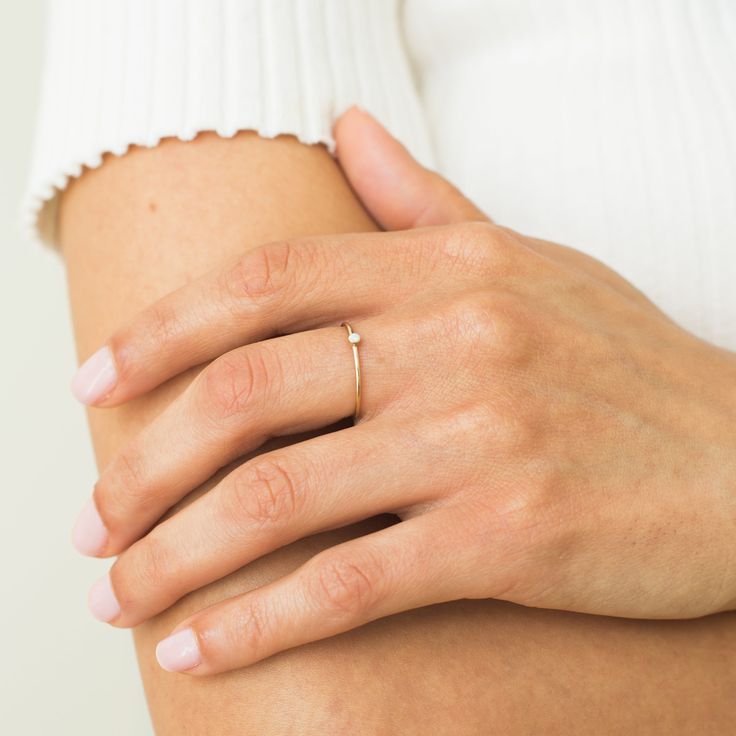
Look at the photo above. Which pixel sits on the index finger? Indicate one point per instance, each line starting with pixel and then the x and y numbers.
pixel 274 289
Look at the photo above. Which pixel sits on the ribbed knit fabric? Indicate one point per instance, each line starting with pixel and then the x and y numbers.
pixel 608 125
pixel 124 72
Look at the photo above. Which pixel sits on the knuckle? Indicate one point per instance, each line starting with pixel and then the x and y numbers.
pixel 500 430
pixel 226 387
pixel 251 630
pixel 513 434
pixel 476 317
pixel 477 230
pixel 480 247
pixel 130 471
pixel 533 510
pixel 346 587
pixel 122 486
pixel 317 265
pixel 230 384
pixel 159 324
pixel 495 325
pixel 163 323
pixel 266 493
pixel 157 329
pixel 260 274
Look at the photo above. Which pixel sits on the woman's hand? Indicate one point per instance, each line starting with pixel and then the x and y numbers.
pixel 546 435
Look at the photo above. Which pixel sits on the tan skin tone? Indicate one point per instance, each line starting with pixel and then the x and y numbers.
pixel 133 231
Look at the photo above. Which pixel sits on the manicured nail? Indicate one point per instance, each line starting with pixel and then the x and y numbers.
pixel 89 535
pixel 102 602
pixel 179 652
pixel 95 378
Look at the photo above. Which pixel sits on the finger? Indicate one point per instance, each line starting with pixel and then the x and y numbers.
pixel 398 191
pixel 278 387
pixel 272 500
pixel 401 194
pixel 282 287
pixel 273 388
pixel 274 289
pixel 405 566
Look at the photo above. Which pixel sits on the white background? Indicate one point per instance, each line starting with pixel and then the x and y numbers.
pixel 61 672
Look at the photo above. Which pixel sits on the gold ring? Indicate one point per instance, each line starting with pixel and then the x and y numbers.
pixel 354 339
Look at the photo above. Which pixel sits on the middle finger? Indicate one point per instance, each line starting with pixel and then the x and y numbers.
pixel 278 387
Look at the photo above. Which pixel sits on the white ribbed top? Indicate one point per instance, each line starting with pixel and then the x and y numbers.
pixel 608 125
pixel 124 72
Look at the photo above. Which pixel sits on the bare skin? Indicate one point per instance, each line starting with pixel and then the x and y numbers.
pixel 148 222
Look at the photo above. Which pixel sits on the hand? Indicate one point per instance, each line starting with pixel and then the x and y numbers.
pixel 544 433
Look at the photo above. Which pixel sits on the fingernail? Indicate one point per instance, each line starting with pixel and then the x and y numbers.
pixel 95 378
pixel 89 535
pixel 179 652
pixel 102 602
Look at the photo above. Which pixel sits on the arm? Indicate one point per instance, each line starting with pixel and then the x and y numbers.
pixel 135 229
pixel 148 222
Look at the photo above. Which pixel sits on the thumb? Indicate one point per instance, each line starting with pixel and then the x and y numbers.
pixel 397 191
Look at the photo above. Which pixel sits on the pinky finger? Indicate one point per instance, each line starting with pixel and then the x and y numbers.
pixel 405 566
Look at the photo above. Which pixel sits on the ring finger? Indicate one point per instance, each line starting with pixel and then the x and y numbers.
pixel 277 387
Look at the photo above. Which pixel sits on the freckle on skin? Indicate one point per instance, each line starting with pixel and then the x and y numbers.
pixel 152 206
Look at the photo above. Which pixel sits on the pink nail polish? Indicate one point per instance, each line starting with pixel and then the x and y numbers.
pixel 102 602
pixel 179 651
pixel 89 535
pixel 95 378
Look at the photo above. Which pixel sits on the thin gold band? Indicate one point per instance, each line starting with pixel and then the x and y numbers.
pixel 354 339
